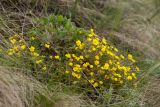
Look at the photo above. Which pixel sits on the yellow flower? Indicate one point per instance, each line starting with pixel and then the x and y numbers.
pixel 91 66
pixel 134 75
pixel 95 85
pixel 74 56
pixel 106 66
pixel 68 55
pixel 32 48
pixel 75 69
pixel 121 56
pixel 81 46
pixel 78 76
pixel 20 41
pixel 38 61
pixel 133 60
pixel 137 68
pixel 90 35
pixel 96 62
pixel 110 53
pixel 85 65
pixel 87 56
pixel 115 49
pixel 93 48
pixel 77 58
pixel 125 68
pixel 130 57
pixel 67 72
pixel 117 57
pixel 101 82
pixel 92 30
pixel 89 39
pixel 118 63
pixel 15 48
pixel 115 79
pixel 118 75
pixel 70 64
pixel 81 57
pixel 100 53
pixel 80 32
pixel 23 47
pixel 113 69
pixel 91 73
pixel 97 57
pixel 95 41
pixel 47 45
pixel 35 54
pixel 57 57
pixel 32 38
pixel 78 42
pixel 121 82
pixel 110 62
pixel 10 53
pixel 104 41
pixel 103 49
pixel 50 56
pixel 74 74
pixel 78 66
pixel 101 71
pixel 15 35
pixel 44 68
pixel 129 78
pixel 13 41
pixel 91 81
pixel 76 48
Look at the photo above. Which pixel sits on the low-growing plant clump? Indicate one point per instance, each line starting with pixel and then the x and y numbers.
pixel 95 62
pixel 56 52
pixel 88 61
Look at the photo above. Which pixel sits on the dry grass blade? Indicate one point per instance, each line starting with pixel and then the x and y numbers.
pixel 151 96
pixel 18 90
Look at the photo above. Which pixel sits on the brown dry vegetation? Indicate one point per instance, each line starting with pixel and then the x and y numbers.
pixel 19 90
pixel 151 96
